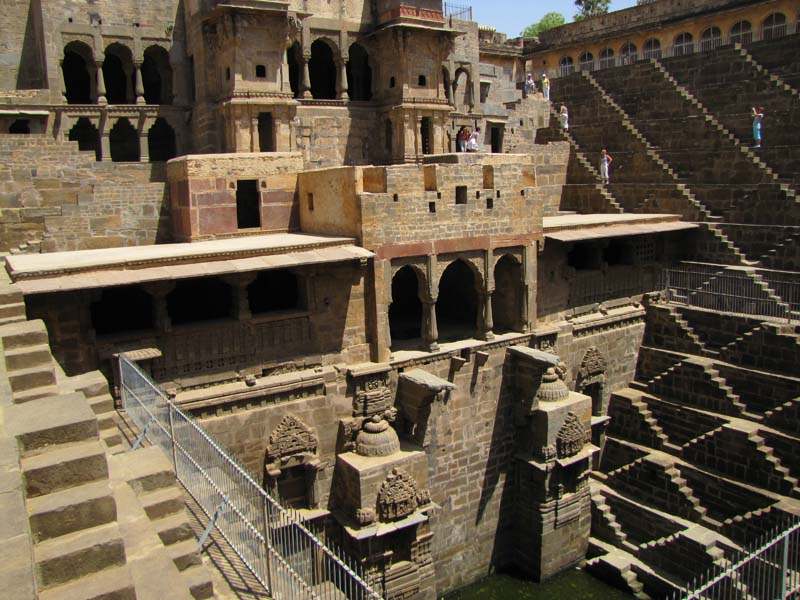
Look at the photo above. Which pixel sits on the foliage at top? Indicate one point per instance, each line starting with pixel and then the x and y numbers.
pixel 590 8
pixel 550 20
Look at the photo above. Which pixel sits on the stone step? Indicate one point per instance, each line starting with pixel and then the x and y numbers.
pixel 161 503
pixel 199 582
pixel 108 584
pixel 23 334
pixel 92 384
pixel 78 554
pixel 70 510
pixel 64 467
pixel 102 403
pixel 36 394
pixel 29 356
pixel 12 311
pixel 147 469
pixel 173 529
pixel 32 378
pixel 51 421
pixel 185 554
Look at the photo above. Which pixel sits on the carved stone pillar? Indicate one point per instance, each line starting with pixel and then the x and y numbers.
pixel 159 291
pixel 341 81
pixel 430 333
pixel 101 84
pixel 523 310
pixel 139 87
pixel 487 322
pixel 240 307
pixel 305 78
pixel 105 144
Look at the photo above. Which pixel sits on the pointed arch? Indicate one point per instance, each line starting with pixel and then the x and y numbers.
pixel 359 74
pixel 87 136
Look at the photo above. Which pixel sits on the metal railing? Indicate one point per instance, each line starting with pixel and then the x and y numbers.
pixel 770 571
pixel 272 541
pixel 733 289
pixel 458 11
pixel 743 38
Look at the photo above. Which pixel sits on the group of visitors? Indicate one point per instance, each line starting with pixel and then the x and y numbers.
pixel 467 140
pixel 530 86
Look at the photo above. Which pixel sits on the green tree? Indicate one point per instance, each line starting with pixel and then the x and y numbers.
pixel 590 8
pixel 550 20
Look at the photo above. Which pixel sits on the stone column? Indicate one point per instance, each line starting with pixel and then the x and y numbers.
pixel 341 81
pixel 240 307
pixel 101 84
pixel 485 317
pixel 430 329
pixel 105 144
pixel 159 291
pixel 129 93
pixel 305 78
pixel 139 88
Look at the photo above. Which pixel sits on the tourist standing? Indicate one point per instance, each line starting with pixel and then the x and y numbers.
pixel 472 144
pixel 545 86
pixel 461 139
pixel 605 162
pixel 563 116
pixel 758 116
pixel 530 86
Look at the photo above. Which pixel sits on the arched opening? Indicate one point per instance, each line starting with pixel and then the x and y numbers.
pixel 405 312
pixel 448 90
pixel 741 33
pixel 161 141
pixel 628 54
pixel 774 26
pixel 586 61
pixel 157 76
pixel 710 39
pixel 274 291
pixel 359 74
pixel 461 89
pixel 183 306
pixel 77 77
pixel 507 297
pixel 606 58
pixel 20 126
pixel 652 48
pixel 87 136
pixel 124 142
pixel 322 71
pixel 121 309
pixel 293 54
pixel 566 65
pixel 684 44
pixel 457 305
pixel 118 74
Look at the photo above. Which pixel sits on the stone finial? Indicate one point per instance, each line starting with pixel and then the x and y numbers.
pixel 552 388
pixel 377 438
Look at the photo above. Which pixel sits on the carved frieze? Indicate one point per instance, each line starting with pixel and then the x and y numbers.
pixel 400 496
pixel 291 437
pixel 571 437
pixel 373 395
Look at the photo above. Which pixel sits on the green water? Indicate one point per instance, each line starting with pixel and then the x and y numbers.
pixel 571 585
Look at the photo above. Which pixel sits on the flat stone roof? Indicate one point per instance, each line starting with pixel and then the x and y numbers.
pixel 84 269
pixel 570 228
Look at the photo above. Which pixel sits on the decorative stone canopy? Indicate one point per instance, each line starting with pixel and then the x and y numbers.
pixel 400 496
pixel 571 436
pixel 377 438
pixel 552 388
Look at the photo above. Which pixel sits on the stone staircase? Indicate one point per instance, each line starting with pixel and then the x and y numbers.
pixel 631 419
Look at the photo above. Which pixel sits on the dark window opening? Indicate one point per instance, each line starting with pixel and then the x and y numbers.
pixel 87 136
pixel 124 142
pixel 485 86
pixel 461 91
pixel 405 312
pixel 490 203
pixel 422 81
pixel 293 58
pixel 448 90
pixel 261 71
pixel 118 75
pixel 161 141
pixel 507 297
pixel 457 305
pixel 120 309
pixel 77 80
pixel 292 487
pixel 183 306
pixel 392 82
pixel 265 132
pixel 432 207
pixel 595 392
pixel 157 76
pixel 248 204
pixel 273 291
pixel 310 201
pixel 584 256
pixel 227 73
pixel 395 197
pixel 425 133
pixel 461 194
pixel 359 74
pixel 322 71
pixel 20 126
pixel 618 252
pixel 497 140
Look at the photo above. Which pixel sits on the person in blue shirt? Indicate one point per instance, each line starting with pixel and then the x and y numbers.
pixel 758 116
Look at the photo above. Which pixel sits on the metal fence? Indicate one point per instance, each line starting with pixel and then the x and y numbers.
pixel 272 541
pixel 770 571
pixel 733 289
pixel 629 54
pixel 458 11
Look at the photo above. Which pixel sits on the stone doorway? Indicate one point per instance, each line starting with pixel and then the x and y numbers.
pixel 457 305
pixel 405 312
